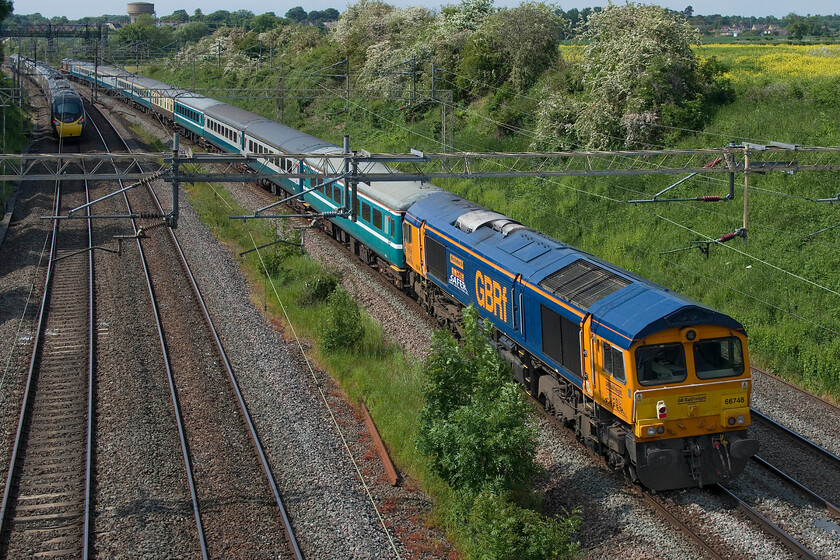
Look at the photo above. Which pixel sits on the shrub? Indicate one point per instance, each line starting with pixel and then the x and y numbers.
pixel 475 428
pixel 279 252
pixel 320 287
pixel 343 330
pixel 503 530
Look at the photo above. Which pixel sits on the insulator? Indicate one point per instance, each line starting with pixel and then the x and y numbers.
pixel 712 163
pixel 711 198
pixel 726 237
pixel 150 216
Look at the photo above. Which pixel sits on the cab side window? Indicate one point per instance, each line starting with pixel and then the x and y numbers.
pixel 613 361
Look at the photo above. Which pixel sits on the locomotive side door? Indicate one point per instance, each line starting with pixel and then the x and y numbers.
pixel 610 374
pixel 586 355
pixel 602 380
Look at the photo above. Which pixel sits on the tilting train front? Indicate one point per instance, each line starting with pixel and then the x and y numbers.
pixel 656 383
pixel 67 114
pixel 67 108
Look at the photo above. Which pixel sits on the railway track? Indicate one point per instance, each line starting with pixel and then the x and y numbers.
pixel 46 508
pixel 800 459
pixel 233 510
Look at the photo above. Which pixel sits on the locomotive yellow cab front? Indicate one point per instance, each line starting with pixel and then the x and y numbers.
pixel 691 406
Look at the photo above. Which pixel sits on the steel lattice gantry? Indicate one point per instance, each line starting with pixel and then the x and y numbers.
pixel 419 166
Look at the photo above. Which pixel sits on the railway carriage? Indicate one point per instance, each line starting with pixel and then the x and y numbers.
pixel 189 115
pixel 656 383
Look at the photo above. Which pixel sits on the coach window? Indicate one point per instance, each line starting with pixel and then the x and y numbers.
pixel 377 218
pixel 613 362
pixel 366 212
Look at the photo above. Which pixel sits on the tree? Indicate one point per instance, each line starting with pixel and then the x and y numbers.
pixel 330 14
pixel 144 32
pixel 361 25
pixel 797 30
pixel 178 16
pixel 468 15
pixel 638 60
pixel 297 14
pixel 265 22
pixel 191 32
pixel 6 8
pixel 688 12
pixel 527 36
pixel 218 17
pixel 475 428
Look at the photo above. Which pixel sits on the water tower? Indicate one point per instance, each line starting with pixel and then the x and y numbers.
pixel 136 9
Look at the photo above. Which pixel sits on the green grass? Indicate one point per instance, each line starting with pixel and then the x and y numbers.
pixel 155 143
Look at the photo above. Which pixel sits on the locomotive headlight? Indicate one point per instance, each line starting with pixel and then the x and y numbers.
pixel 731 420
pixel 651 431
pixel 660 430
pixel 740 420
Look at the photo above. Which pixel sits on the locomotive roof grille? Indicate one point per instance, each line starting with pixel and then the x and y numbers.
pixel 583 283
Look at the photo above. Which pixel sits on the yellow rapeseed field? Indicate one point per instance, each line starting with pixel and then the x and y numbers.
pixel 776 61
pixel 772 61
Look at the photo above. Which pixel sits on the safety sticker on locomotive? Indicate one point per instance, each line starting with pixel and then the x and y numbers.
pixel 456 279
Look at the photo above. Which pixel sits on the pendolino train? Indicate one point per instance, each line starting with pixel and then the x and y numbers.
pixel 67 109
pixel 656 383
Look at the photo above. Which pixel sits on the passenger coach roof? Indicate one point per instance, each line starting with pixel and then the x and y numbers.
pixel 234 116
pixel 197 102
pixel 157 85
pixel 287 139
pixel 625 307
pixel 396 195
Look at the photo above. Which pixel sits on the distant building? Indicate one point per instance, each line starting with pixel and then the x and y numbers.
pixel 732 31
pixel 136 9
